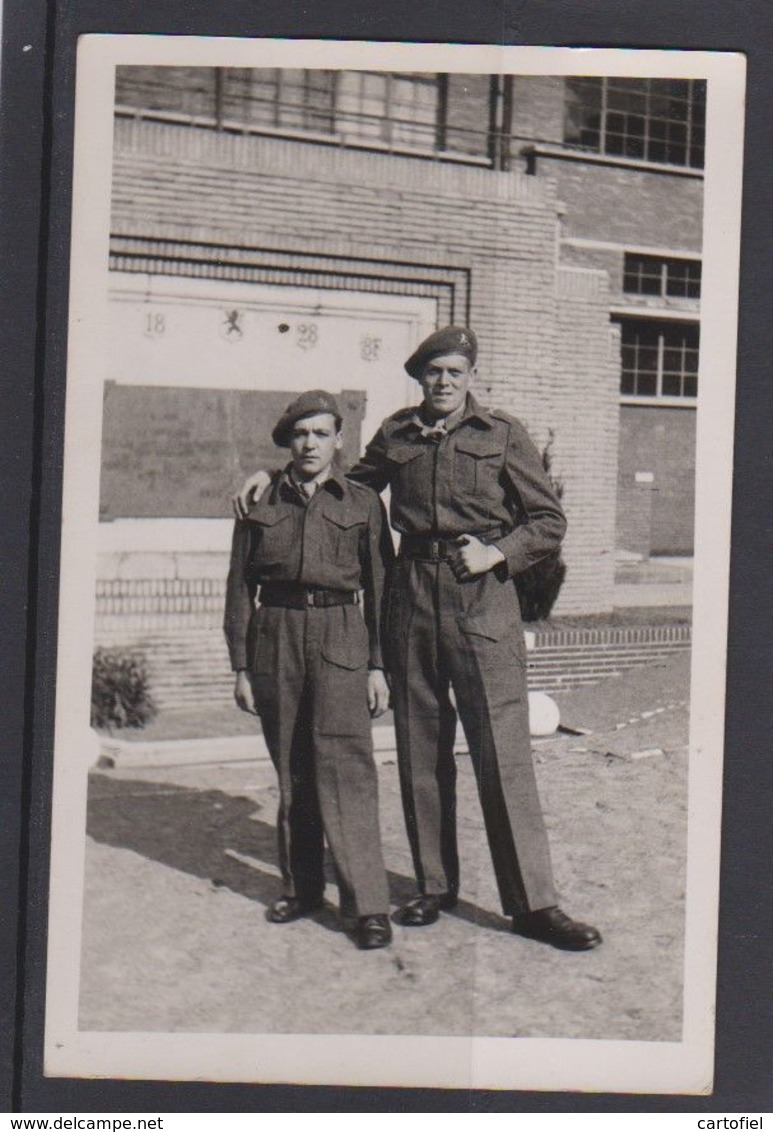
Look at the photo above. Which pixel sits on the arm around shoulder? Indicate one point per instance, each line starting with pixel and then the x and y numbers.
pixel 249 493
pixel 372 469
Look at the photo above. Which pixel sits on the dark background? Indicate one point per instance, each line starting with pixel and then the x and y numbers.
pixel 152 466
pixel 35 163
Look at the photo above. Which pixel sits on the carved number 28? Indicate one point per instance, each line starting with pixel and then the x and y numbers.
pixel 307 335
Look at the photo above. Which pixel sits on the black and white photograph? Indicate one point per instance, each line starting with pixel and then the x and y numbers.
pixel 394 567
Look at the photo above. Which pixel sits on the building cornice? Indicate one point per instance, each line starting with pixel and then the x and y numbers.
pixel 562 153
pixel 635 249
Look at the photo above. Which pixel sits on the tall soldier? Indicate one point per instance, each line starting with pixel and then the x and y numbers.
pixel 474 507
pixel 309 664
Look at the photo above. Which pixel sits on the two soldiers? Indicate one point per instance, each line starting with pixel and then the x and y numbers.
pixel 473 507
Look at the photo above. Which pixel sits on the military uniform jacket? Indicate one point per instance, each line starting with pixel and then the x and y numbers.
pixel 483 475
pixel 338 540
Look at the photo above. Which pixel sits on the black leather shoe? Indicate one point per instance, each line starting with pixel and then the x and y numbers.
pixel 372 932
pixel 551 925
pixel 425 910
pixel 289 908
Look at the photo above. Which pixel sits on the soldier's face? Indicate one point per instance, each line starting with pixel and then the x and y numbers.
pixel 313 444
pixel 446 381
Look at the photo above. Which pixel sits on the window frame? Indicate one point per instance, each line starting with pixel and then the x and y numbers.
pixel 662 269
pixel 607 85
pixel 660 326
pixel 495 148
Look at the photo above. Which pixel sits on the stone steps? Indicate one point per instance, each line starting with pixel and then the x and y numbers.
pixel 190 664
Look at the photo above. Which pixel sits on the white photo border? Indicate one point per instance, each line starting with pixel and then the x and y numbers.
pixel 452 1062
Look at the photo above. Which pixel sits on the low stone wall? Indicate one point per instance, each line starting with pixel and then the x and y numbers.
pixel 177 625
pixel 567 658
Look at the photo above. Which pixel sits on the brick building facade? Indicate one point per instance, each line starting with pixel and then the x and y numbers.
pixel 271 229
pixel 636 213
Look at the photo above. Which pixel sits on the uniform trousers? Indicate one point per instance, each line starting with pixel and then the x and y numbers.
pixel 309 678
pixel 468 636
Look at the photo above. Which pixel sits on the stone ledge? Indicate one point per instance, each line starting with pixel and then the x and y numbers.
pixel 122 754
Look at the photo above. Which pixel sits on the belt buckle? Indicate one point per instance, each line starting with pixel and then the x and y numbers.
pixel 311 597
pixel 434 547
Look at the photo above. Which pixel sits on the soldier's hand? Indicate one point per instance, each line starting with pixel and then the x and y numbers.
pixel 378 693
pixel 474 557
pixel 249 493
pixel 243 692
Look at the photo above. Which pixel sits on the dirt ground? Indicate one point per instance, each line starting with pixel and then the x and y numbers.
pixel 181 864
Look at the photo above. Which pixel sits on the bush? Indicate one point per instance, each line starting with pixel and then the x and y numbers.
pixel 539 586
pixel 119 690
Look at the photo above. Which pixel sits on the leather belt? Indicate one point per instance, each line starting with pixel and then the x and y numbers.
pixel 441 549
pixel 291 595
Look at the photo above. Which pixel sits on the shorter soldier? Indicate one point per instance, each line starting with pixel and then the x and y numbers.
pixel 310 665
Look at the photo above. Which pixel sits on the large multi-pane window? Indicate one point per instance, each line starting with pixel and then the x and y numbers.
pixel 279 99
pixel 659 359
pixel 457 115
pixel 397 109
pixel 658 120
pixel 668 278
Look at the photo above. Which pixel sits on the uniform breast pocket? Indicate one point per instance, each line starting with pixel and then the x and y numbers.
pixel 476 466
pixel 342 536
pixel 276 536
pixel 411 469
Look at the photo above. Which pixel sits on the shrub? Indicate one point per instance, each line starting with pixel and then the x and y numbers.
pixel 120 696
pixel 539 586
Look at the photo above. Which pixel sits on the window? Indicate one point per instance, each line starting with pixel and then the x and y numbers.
pixel 462 115
pixel 295 100
pixel 671 278
pixel 659 359
pixel 659 120
pixel 397 109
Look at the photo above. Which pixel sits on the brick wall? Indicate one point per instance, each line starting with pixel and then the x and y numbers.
pixel 627 206
pixel 659 441
pixel 634 517
pixel 538 110
pixel 613 203
pixel 176 181
pixel 610 260
pixel 188 661
pixel 468 111
pixel 585 421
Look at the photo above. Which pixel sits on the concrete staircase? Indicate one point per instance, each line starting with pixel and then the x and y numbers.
pixel 188 661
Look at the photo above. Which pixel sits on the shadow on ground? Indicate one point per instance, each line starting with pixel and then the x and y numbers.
pixel 181 863
pixel 220 838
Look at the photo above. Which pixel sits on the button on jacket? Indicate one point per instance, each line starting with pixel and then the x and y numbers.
pixel 336 540
pixel 484 474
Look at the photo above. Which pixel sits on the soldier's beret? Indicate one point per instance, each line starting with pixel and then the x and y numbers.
pixel 309 404
pixel 448 340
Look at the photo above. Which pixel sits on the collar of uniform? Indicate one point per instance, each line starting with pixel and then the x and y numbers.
pixel 286 485
pixel 335 483
pixel 472 411
pixel 475 411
